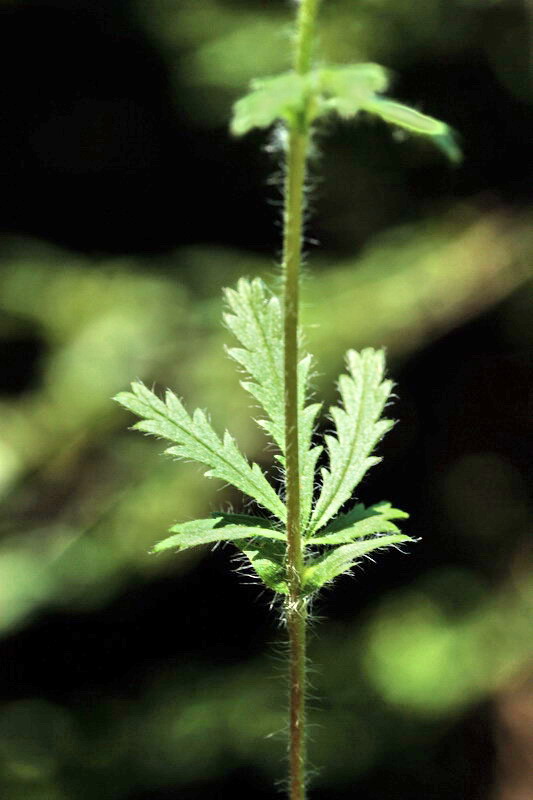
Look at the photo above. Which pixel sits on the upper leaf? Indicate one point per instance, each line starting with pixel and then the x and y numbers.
pixel 357 87
pixel 358 429
pixel 196 440
pixel 270 99
pixel 255 318
pixel 347 90
pixel 414 121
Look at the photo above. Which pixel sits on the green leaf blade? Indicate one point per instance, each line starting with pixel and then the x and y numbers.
pixel 308 462
pixel 359 513
pixel 359 427
pixel 251 521
pixel 210 531
pixel 255 318
pixel 270 99
pixel 194 439
pixel 417 123
pixel 406 117
pixel 338 560
pixel 267 559
pixel 346 89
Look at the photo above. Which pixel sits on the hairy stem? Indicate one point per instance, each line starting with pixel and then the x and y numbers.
pixel 297 151
pixel 296 610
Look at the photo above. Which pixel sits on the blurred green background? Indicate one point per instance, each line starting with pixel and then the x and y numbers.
pixel 126 207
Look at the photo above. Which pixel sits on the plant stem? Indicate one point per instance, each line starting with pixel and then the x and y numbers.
pixel 296 606
pixel 297 152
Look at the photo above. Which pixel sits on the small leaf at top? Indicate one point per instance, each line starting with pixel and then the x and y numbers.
pixel 270 99
pixel 346 89
pixel 414 121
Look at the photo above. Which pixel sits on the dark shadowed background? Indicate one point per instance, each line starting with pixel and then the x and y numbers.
pixel 125 208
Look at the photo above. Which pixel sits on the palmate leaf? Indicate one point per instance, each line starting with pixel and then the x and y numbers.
pixel 326 567
pixel 358 426
pixel 195 440
pixel 255 319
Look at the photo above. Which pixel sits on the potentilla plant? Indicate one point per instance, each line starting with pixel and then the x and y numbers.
pixel 301 542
